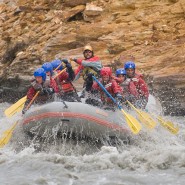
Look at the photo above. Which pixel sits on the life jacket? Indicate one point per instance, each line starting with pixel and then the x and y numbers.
pixel 38 86
pixel 67 86
pixel 140 86
pixel 64 84
pixel 88 70
pixel 129 88
pixel 35 86
pixel 111 86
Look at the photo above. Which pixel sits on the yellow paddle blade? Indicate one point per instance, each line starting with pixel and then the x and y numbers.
pixel 16 107
pixel 146 119
pixel 168 125
pixel 7 135
pixel 134 125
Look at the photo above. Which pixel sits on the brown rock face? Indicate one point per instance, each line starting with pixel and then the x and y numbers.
pixel 151 33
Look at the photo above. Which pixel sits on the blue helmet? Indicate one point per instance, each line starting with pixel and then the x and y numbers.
pixel 56 63
pixel 48 67
pixel 40 72
pixel 129 65
pixel 120 71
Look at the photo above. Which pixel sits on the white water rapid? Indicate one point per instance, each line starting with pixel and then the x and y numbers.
pixel 154 157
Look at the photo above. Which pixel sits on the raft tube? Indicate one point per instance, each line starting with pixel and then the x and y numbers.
pixel 77 118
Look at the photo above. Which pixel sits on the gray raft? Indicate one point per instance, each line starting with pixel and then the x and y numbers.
pixel 79 119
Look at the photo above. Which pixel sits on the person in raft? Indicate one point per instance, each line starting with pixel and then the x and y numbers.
pixel 50 74
pixel 89 64
pixel 136 86
pixel 67 91
pixel 129 89
pixel 43 85
pixel 110 85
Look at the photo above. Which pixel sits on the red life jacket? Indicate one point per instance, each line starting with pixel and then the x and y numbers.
pixel 65 85
pixel 128 87
pixel 112 87
pixel 141 86
pixel 36 87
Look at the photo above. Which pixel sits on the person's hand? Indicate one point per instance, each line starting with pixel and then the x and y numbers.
pixel 50 91
pixel 47 91
pixel 42 91
pixel 89 76
pixel 119 96
pixel 65 61
pixel 73 59
pixel 68 65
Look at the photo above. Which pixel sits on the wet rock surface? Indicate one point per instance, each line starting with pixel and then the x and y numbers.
pixel 152 33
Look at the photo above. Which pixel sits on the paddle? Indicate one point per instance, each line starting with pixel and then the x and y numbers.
pixel 59 73
pixel 131 121
pixel 168 125
pixel 144 117
pixel 58 67
pixel 16 107
pixel 8 133
pixel 19 105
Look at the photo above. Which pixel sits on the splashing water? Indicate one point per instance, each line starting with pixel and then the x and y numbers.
pixel 153 157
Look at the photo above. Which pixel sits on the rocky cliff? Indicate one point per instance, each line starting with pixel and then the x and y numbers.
pixel 152 33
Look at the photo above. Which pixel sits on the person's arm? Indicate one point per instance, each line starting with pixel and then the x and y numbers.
pixel 78 61
pixel 30 94
pixel 71 73
pixel 143 88
pixel 116 88
pixel 53 85
pixel 95 86
pixel 133 90
pixel 77 71
pixel 69 70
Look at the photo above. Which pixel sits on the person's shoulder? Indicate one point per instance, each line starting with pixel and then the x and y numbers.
pixel 118 80
pixel 139 75
pixel 95 58
pixel 113 81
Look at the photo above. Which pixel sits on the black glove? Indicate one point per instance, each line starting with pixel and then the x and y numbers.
pixel 75 60
pixel 47 91
pixel 90 76
pixel 68 65
pixel 50 91
pixel 43 91
pixel 65 61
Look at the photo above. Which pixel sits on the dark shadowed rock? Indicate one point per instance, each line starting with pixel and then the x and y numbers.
pixel 73 3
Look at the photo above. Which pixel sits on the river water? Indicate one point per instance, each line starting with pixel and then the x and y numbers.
pixel 153 157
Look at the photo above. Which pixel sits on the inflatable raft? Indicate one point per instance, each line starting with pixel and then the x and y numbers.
pixel 75 119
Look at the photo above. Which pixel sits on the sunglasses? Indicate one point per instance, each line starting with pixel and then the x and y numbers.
pixel 87 51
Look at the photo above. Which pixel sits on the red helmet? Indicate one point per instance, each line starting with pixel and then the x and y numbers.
pixel 106 71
